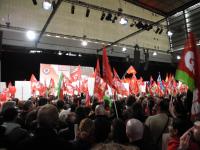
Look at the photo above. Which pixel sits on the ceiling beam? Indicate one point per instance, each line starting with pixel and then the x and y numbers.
pixel 48 21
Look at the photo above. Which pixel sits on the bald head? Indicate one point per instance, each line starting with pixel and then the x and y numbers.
pixel 47 116
pixel 99 110
pixel 134 130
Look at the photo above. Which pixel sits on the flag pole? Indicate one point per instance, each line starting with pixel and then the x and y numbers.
pixel 116 109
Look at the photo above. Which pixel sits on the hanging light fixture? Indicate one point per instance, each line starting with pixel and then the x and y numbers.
pixel 46 5
pixel 123 21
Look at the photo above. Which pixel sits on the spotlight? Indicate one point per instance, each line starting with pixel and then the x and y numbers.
pixel 114 19
pixel 47 5
pixel 154 53
pixel 54 4
pixel 102 16
pixel 109 17
pixel 160 32
pixel 119 11
pixel 157 30
pixel 124 49
pixel 87 12
pixel 34 2
pixel 59 53
pixel 31 35
pixel 169 33
pixel 149 27
pixel 132 24
pixel 139 25
pixel 84 43
pixel 72 9
pixel 178 57
pixel 123 21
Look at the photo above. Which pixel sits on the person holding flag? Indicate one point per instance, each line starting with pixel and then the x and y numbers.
pixel 188 72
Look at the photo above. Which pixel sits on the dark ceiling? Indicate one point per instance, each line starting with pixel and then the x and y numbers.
pixel 164 7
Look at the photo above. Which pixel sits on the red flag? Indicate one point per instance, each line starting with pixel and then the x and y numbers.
pixel 76 74
pixel 118 85
pixel 131 70
pixel 98 84
pixel 133 86
pixel 87 100
pixel 107 73
pixel 33 84
pixel 33 78
pixel 52 83
pixel 188 71
pixel 9 84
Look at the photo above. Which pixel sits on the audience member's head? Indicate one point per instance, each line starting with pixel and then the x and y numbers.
pixel 47 116
pixel 42 101
pixel 118 131
pixel 130 100
pixel 60 104
pixel 8 104
pixel 134 130
pixel 99 110
pixel 86 129
pixel 164 105
pixel 28 106
pixel 10 114
pixel 196 131
pixel 178 127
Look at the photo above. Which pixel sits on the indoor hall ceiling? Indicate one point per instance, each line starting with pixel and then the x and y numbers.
pixel 164 7
pixel 23 16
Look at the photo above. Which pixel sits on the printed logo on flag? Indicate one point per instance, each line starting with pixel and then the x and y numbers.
pixel 46 71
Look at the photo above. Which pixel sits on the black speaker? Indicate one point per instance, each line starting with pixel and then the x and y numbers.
pixel 136 58
pixel 1 38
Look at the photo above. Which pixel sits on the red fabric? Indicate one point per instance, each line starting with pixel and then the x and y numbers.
pixel 131 70
pixel 99 85
pixel 76 74
pixel 107 73
pixel 33 84
pixel 173 144
pixel 118 85
pixel 87 100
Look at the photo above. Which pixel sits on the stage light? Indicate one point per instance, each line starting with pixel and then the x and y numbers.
pixel 31 35
pixel 160 32
pixel 102 16
pixel 54 4
pixel 123 21
pixel 178 57
pixel 114 19
pixel 87 12
pixel 46 5
pixel 84 43
pixel 60 53
pixel 72 9
pixel 139 25
pixel 154 53
pixel 169 33
pixel 157 30
pixel 124 49
pixel 149 27
pixel 34 2
pixel 120 10
pixel 109 17
pixel 132 24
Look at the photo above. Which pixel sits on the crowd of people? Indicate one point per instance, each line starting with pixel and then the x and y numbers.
pixel 135 123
